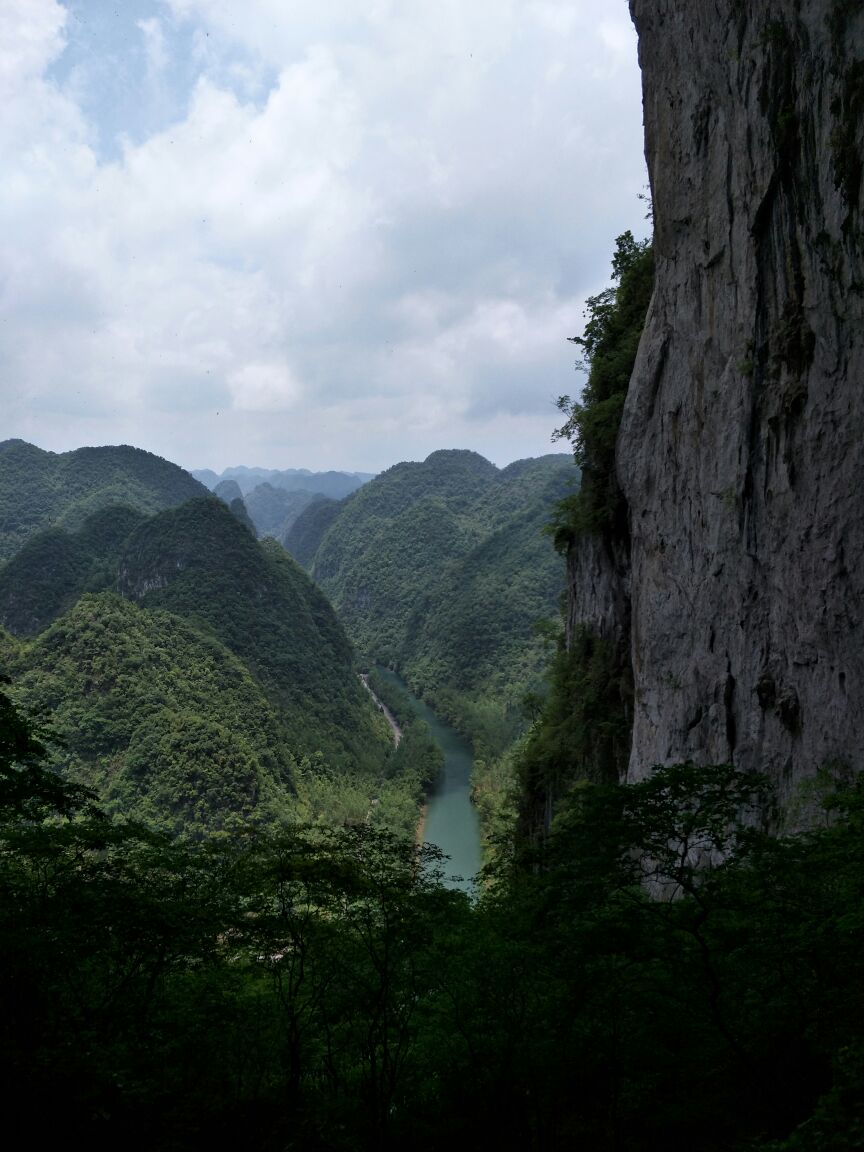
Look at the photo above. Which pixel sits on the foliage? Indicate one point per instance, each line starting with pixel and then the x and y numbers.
pixel 609 344
pixel 440 570
pixel 581 731
pixel 317 988
pixel 198 721
pixel 163 721
pixel 46 577
pixel 197 562
pixel 40 489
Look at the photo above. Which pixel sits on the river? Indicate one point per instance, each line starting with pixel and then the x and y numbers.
pixel 451 822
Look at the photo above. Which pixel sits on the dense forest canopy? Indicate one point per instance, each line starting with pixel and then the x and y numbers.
pixel 321 989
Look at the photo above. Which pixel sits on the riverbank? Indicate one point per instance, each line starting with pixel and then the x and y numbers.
pixel 448 820
pixel 421 823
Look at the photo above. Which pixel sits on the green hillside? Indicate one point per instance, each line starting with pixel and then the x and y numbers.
pixel 479 641
pixel 198 562
pixel 392 542
pixel 218 687
pixel 163 721
pixel 303 538
pixel 56 566
pixel 41 489
pixel 441 570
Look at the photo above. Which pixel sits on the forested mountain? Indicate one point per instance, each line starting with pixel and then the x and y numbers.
pixel 192 675
pixel 304 537
pixel 160 718
pixel 274 510
pixel 440 569
pixel 39 489
pixel 198 562
pixel 56 566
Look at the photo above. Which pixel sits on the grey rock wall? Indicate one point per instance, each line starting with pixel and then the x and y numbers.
pixel 741 452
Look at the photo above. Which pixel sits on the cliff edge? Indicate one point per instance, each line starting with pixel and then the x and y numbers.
pixel 741 450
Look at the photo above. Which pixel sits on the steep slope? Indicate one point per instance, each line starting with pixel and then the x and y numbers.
pixel 199 563
pixel 478 640
pixel 441 570
pixel 40 489
pixel 303 538
pixel 392 542
pixel 163 721
pixel 203 718
pixel 55 567
pixel 742 438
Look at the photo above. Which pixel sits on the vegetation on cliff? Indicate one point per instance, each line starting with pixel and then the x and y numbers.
pixel 609 344
pixel 583 730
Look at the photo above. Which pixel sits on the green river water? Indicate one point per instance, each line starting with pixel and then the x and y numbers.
pixel 451 819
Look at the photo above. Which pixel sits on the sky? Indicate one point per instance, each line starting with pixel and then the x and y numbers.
pixel 307 233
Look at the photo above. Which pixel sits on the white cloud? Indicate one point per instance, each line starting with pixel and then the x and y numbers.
pixel 31 37
pixel 388 241
pixel 154 44
pixel 263 387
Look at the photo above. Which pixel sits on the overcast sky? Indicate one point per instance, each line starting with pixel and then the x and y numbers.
pixel 307 233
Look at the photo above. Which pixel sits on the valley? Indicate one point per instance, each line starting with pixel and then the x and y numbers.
pixel 200 681
pixel 455 804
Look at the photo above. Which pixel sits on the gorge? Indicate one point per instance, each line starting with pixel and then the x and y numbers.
pixel 217 926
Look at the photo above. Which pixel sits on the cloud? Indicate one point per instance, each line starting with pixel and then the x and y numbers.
pixel 31 37
pixel 154 45
pixel 362 231
pixel 263 387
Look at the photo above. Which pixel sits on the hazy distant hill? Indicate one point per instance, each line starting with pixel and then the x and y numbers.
pixel 441 569
pixel 274 510
pixel 39 489
pixel 227 490
pixel 333 484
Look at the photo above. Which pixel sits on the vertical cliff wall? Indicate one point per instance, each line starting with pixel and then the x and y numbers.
pixel 741 452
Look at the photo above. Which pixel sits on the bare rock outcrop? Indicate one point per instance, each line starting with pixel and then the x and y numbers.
pixel 741 451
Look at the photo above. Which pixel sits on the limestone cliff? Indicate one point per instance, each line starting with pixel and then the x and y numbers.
pixel 741 450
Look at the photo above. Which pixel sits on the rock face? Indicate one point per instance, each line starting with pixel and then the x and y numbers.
pixel 741 451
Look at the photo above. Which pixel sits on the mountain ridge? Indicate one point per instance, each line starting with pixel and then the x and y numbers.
pixel 40 489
